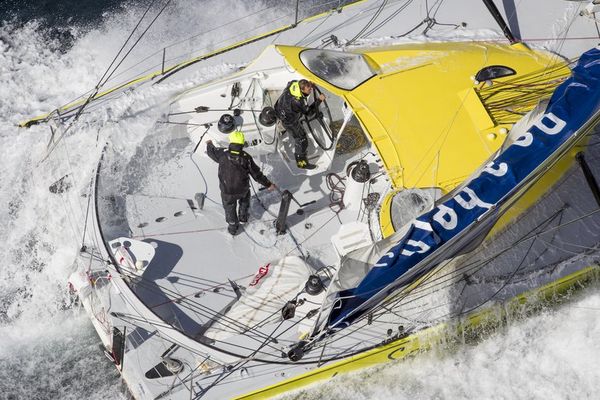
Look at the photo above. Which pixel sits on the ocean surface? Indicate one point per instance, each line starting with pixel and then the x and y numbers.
pixel 53 51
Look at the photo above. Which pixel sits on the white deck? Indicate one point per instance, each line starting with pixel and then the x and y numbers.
pixel 153 196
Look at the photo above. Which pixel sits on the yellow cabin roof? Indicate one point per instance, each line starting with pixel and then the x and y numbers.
pixel 422 110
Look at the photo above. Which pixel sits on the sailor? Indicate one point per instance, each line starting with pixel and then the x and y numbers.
pixel 235 165
pixel 290 106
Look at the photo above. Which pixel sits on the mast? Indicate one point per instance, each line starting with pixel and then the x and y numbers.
pixel 500 21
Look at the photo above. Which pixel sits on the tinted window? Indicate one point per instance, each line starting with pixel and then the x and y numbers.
pixel 341 69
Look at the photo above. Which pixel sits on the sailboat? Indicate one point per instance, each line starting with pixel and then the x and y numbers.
pixel 453 181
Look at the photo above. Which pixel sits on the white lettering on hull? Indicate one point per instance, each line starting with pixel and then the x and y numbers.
pixel 447 217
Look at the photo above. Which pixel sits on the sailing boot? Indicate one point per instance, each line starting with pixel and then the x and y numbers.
pixel 233 229
pixel 302 162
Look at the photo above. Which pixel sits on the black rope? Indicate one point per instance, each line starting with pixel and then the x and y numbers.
pixel 140 38
pixel 100 83
pixel 404 295
pixel 369 23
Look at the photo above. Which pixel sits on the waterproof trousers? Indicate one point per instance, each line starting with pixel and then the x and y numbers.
pixel 301 141
pixel 230 204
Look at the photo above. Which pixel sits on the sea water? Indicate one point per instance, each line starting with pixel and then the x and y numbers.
pixel 51 53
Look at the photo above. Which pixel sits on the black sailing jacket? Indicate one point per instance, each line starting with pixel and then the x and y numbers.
pixel 235 165
pixel 290 109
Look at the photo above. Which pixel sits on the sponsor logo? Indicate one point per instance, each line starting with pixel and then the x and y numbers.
pixel 447 218
pixel 262 271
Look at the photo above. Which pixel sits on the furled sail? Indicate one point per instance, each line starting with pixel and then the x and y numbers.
pixel 368 276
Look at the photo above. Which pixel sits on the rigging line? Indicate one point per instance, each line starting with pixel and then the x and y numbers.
pixel 298 43
pixel 95 91
pixel 476 264
pixel 275 368
pixel 414 299
pixel 428 20
pixel 199 308
pixel 369 23
pixel 176 68
pixel 562 248
pixel 131 319
pixel 65 199
pixel 264 320
pixel 141 318
pixel 140 38
pixel 87 212
pixel 217 316
pixel 443 136
pixel 387 19
pixel 228 23
pixel 151 235
pixel 239 19
pixel 438 4
pixel 508 280
pixel 237 35
pixel 355 18
pixel 591 249
pixel 403 296
pixel 99 84
pixel 339 354
pixel 566 32
pixel 348 332
pixel 260 201
pixel 376 337
pixel 241 364
pixel 128 319
pixel 94 255
pixel 181 123
pixel 125 83
pixel 207 126
pixel 413 29
pixel 183 381
pixel 419 318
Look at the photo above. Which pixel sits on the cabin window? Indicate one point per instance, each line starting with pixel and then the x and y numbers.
pixel 494 72
pixel 343 70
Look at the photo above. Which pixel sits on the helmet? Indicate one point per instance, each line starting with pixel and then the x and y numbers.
pixel 226 123
pixel 236 137
pixel 267 116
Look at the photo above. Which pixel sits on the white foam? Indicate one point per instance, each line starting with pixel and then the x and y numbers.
pixel 44 343
pixel 54 349
pixel 552 355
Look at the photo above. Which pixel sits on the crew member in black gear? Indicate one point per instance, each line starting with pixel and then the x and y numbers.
pixel 290 106
pixel 235 166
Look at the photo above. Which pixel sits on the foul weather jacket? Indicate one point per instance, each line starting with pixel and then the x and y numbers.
pixel 290 108
pixel 235 167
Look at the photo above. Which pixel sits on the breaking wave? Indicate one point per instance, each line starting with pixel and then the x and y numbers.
pixel 48 348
